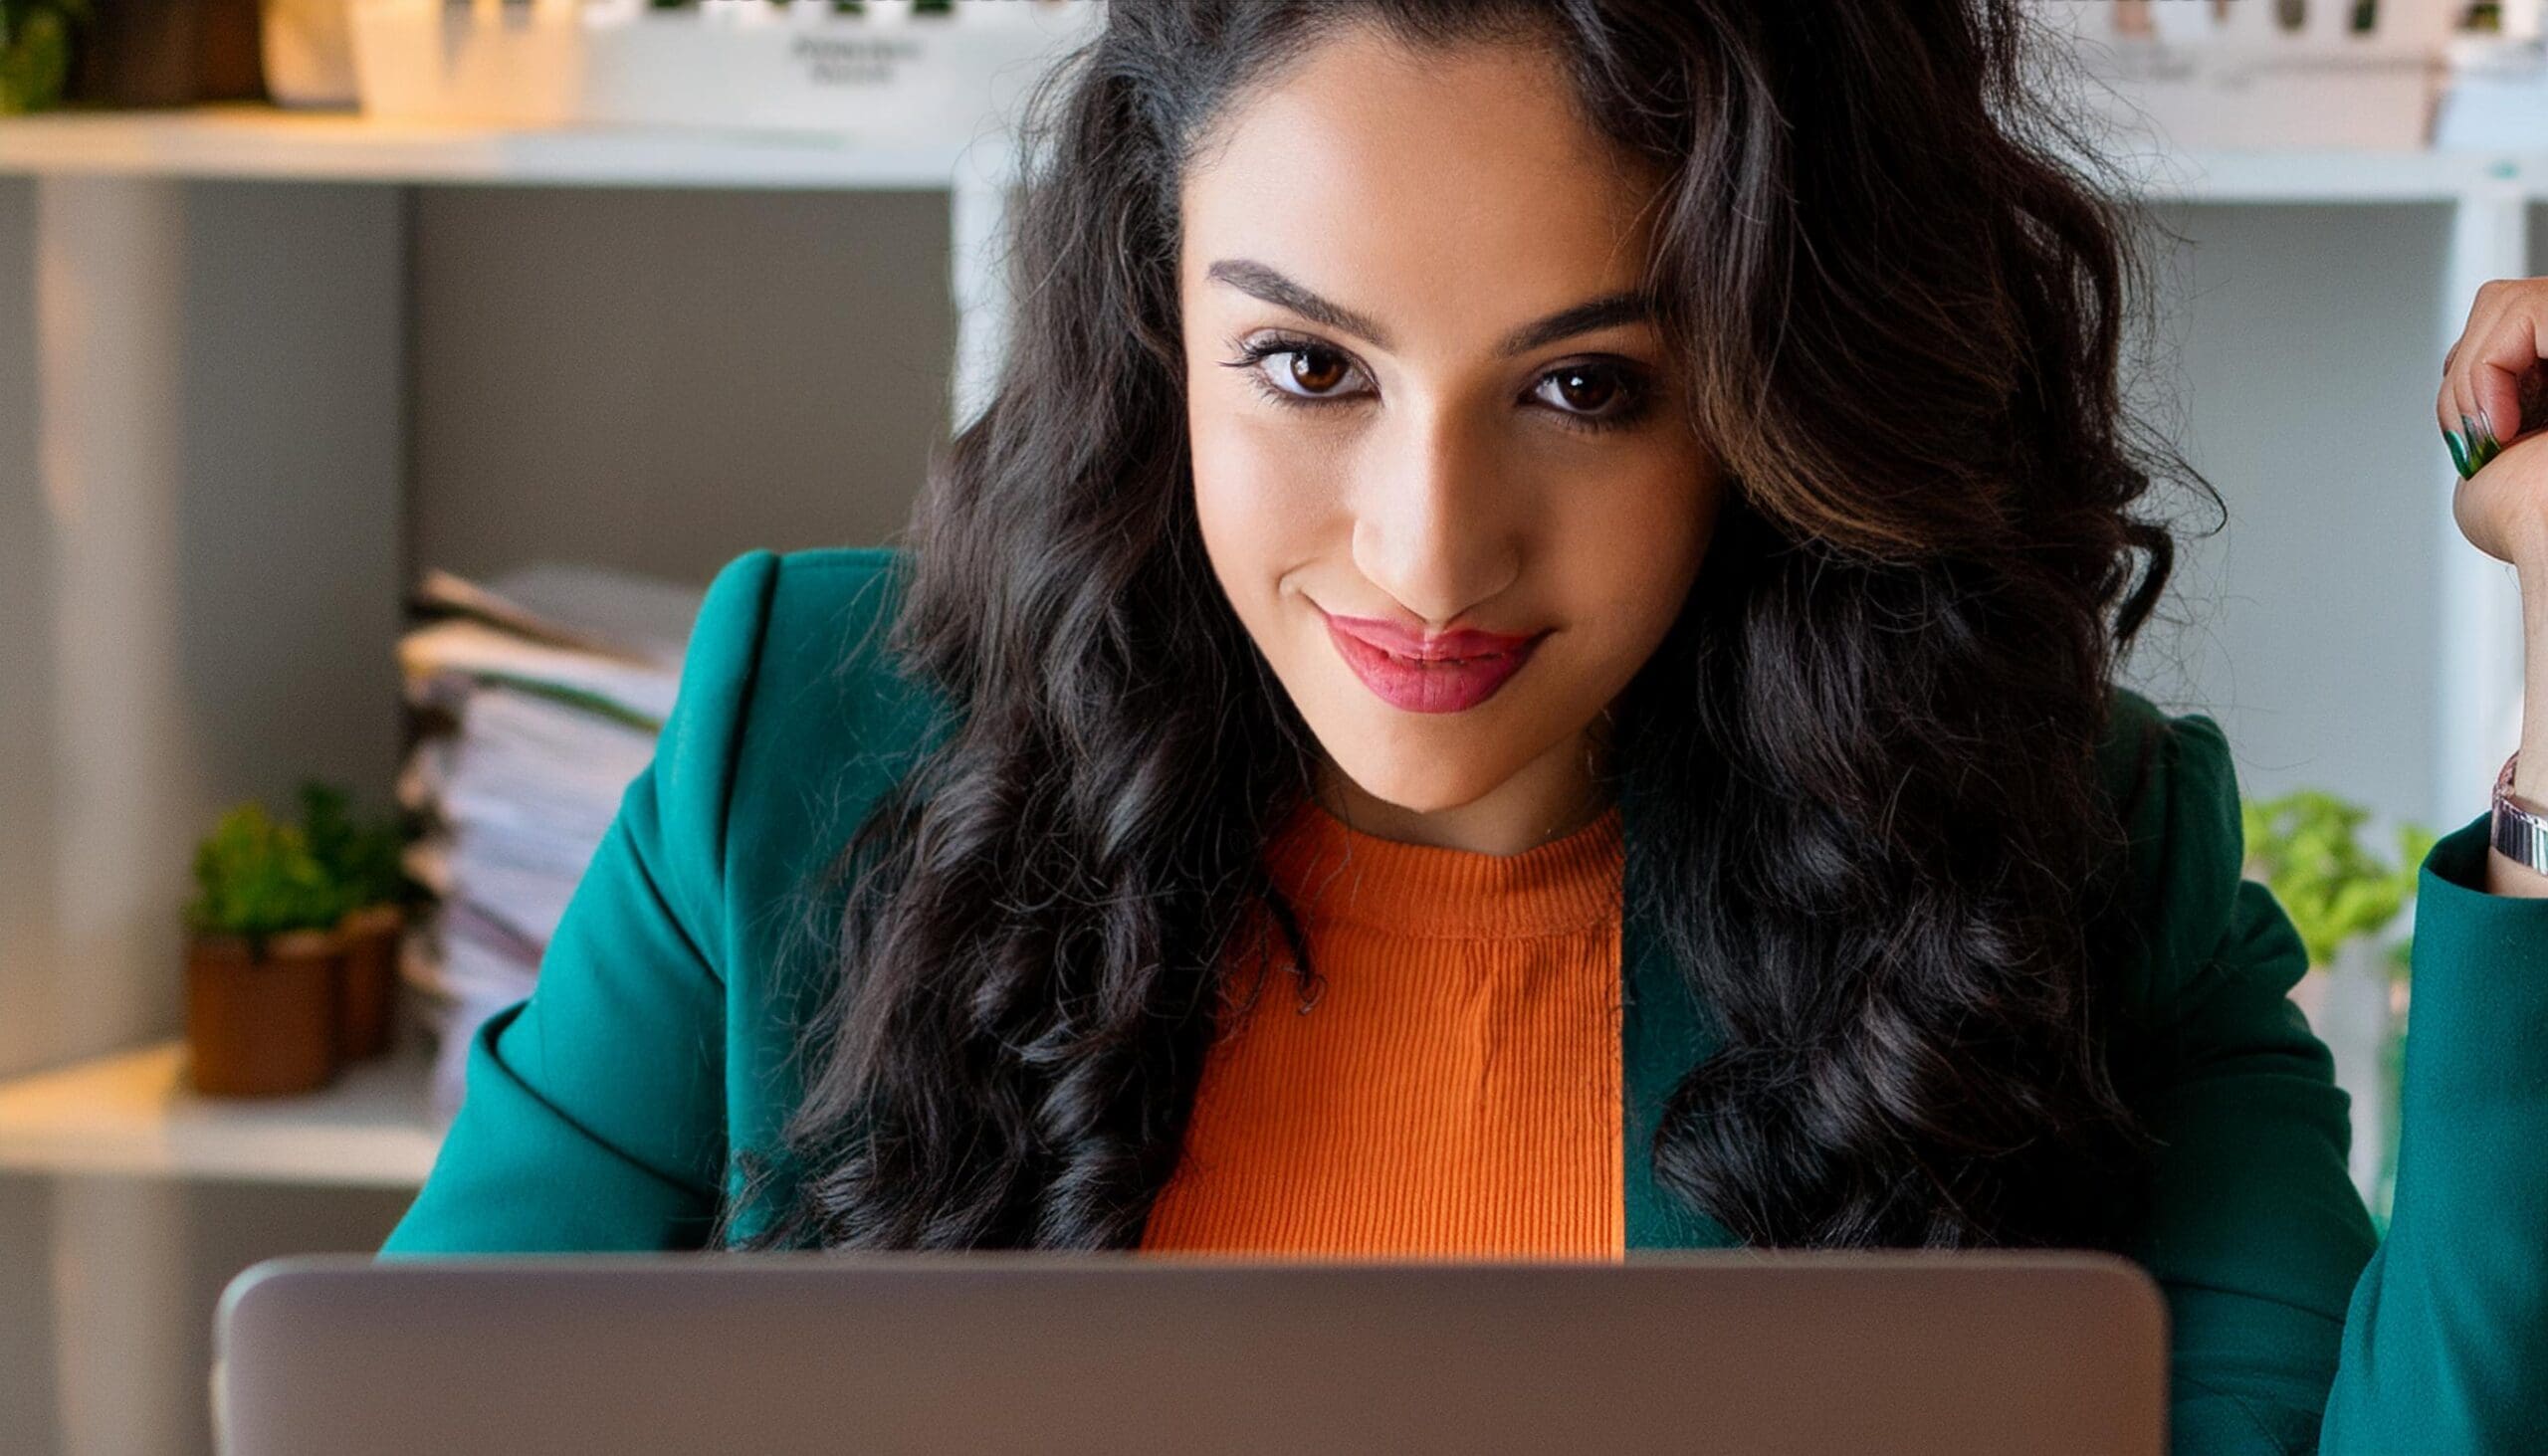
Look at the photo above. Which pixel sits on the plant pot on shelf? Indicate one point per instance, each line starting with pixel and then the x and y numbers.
pixel 262 1019
pixel 368 1006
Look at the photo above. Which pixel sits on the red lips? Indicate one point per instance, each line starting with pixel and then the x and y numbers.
pixel 1390 637
pixel 1449 673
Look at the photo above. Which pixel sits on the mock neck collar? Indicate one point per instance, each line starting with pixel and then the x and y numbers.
pixel 1332 871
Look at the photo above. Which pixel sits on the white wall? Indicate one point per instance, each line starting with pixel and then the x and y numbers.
pixel 2298 343
pixel 662 378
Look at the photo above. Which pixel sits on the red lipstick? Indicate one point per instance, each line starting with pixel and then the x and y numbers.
pixel 1442 674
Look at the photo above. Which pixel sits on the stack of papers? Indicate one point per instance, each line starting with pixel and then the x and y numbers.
pixel 542 694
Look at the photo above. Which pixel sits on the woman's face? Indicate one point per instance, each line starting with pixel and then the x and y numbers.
pixel 1424 394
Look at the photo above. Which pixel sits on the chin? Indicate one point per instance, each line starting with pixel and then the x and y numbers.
pixel 1420 782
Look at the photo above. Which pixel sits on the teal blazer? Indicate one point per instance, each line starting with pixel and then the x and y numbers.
pixel 600 1110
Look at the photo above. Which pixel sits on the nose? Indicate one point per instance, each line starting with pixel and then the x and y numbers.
pixel 1436 525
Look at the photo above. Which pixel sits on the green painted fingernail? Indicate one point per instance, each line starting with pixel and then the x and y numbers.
pixel 2459 457
pixel 2482 444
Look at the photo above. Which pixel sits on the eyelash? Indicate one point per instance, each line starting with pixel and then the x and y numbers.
pixel 1254 352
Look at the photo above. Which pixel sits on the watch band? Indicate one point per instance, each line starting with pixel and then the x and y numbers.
pixel 2518 827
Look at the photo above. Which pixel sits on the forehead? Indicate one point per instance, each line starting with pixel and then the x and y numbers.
pixel 1441 177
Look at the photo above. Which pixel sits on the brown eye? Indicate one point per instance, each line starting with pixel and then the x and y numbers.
pixel 1585 390
pixel 1315 371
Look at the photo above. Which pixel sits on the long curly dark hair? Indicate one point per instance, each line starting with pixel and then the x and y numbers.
pixel 1871 825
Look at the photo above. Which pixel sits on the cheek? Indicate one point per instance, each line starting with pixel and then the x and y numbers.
pixel 1635 556
pixel 1260 500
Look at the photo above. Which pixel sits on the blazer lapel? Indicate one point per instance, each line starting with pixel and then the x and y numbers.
pixel 1663 1033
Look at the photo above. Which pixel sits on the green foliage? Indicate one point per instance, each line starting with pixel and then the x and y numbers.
pixel 2305 847
pixel 256 875
pixel 363 860
pixel 35 51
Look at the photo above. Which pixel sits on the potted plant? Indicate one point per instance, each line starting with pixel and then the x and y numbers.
pixel 2307 848
pixel 36 38
pixel 374 894
pixel 263 957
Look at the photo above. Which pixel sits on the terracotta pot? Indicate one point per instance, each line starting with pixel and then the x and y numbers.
pixel 370 980
pixel 263 1025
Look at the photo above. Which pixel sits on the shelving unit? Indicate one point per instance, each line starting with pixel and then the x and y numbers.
pixel 213 380
pixel 133 1113
pixel 2487 196
pixel 255 142
pixel 206 374
pixel 249 140
pixel 112 198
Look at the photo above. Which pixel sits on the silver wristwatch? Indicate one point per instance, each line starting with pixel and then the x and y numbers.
pixel 2519 827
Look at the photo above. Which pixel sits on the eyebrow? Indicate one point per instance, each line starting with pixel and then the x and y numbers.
pixel 1259 280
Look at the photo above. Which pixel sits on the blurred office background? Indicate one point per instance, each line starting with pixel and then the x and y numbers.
pixel 298 310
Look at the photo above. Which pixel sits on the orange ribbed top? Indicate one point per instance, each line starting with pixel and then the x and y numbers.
pixel 1454 1087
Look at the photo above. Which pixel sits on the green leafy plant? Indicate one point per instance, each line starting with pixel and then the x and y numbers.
pixel 2306 847
pixel 257 876
pixel 35 51
pixel 361 860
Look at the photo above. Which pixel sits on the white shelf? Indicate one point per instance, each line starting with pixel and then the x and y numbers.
pixel 262 142
pixel 249 140
pixel 132 1112
pixel 2348 176
pixel 255 141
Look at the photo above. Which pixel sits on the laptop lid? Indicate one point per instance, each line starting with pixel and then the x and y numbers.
pixel 1909 1351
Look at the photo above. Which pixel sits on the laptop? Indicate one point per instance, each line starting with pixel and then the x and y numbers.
pixel 1900 1351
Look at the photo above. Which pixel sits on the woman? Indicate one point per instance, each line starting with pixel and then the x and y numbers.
pixel 1595 534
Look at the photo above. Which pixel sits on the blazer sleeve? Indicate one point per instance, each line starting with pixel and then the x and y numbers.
pixel 2256 1233
pixel 2446 1342
pixel 2296 1328
pixel 592 1115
